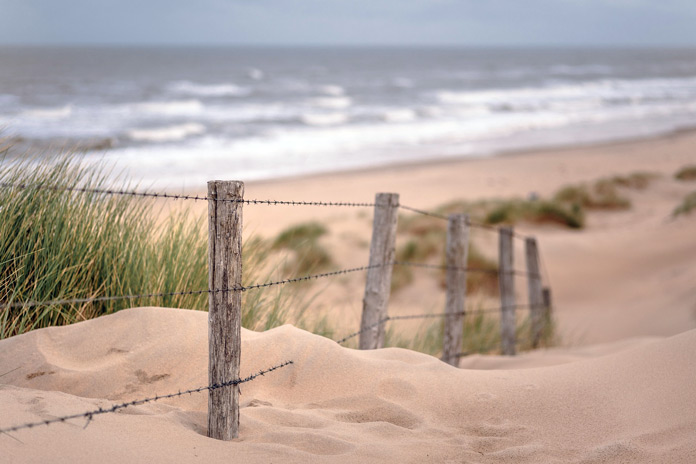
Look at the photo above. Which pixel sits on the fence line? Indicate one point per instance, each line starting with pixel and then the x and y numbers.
pixel 225 200
pixel 97 299
pixel 173 196
pixel 89 415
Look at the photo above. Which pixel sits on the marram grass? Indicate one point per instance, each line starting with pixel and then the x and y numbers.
pixel 56 244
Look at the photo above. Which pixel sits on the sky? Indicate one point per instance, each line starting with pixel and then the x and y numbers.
pixel 350 22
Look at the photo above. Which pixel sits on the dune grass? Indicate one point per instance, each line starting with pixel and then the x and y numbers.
pixel 302 240
pixel 639 180
pixel 687 173
pixel 481 334
pixel 57 244
pixel 424 240
pixel 567 207
pixel 536 212
pixel 687 205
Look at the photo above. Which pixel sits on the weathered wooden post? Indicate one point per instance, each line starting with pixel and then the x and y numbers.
pixel 536 303
pixel 507 290
pixel 225 305
pixel 548 307
pixel 378 283
pixel 457 253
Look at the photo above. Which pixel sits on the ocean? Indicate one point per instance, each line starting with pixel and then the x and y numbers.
pixel 177 117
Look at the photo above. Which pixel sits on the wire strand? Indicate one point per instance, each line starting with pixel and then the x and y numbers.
pixel 116 407
pixel 29 304
pixel 425 316
pixel 172 196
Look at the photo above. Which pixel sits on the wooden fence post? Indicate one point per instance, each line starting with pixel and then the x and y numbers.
pixel 225 307
pixel 534 290
pixel 457 252
pixel 507 290
pixel 548 305
pixel 378 283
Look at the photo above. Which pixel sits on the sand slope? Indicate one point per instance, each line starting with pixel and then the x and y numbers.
pixel 637 404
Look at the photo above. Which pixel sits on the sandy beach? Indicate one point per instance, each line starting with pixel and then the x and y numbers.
pixel 620 387
pixel 629 273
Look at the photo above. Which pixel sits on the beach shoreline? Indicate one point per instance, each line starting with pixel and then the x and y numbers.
pixel 559 149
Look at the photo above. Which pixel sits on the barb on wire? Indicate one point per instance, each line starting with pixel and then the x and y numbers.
pixel 89 415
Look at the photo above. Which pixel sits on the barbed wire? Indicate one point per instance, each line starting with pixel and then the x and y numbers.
pixel 172 196
pixel 355 334
pixel 314 276
pixel 99 299
pixel 472 312
pixel 97 191
pixel 305 203
pixel 424 213
pixel 470 222
pixel 467 269
pixel 89 415
pixel 28 304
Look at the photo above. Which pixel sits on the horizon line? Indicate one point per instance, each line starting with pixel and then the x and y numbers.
pixel 347 45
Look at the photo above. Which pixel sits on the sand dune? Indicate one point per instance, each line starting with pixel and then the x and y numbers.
pixel 627 282
pixel 636 404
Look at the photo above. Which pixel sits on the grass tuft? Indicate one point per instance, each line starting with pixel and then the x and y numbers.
pixel 537 212
pixel 686 206
pixel 481 335
pixel 60 245
pixel 687 173
pixel 308 254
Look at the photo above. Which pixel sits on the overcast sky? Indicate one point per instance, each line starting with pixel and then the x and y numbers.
pixel 350 22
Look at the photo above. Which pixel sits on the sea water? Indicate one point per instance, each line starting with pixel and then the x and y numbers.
pixel 177 117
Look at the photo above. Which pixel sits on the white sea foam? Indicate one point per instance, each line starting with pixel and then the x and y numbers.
pixel 568 70
pixel 597 93
pixel 169 108
pixel 337 103
pixel 400 115
pixel 334 90
pixel 166 134
pixel 208 90
pixel 324 119
pixel 61 112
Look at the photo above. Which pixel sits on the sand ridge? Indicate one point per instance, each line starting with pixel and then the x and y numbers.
pixel 340 405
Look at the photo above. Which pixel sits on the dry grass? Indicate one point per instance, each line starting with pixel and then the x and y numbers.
pixel 687 173
pixel 686 206
pixel 308 255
